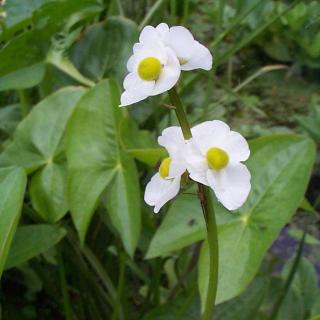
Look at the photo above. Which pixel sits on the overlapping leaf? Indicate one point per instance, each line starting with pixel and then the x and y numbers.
pixel 12 185
pixel 95 57
pixel 21 68
pixel 32 240
pixel 96 159
pixel 37 146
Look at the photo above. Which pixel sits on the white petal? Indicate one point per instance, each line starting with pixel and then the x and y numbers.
pixel 199 177
pixel 137 46
pixel 201 58
pixel 237 147
pixel 231 185
pixel 159 191
pixel 129 97
pixel 131 64
pixel 177 166
pixel 135 89
pixel 210 134
pixel 196 163
pixel 172 139
pixel 215 126
pixel 162 30
pixel 148 34
pixel 181 41
pixel 132 82
pixel 155 49
pixel 169 75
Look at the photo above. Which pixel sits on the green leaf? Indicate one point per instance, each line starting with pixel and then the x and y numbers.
pixel 38 136
pixel 37 146
pixel 27 68
pixel 92 151
pixel 9 118
pixel 291 307
pixel 17 49
pixel 307 206
pixel 184 224
pixel 140 143
pixel 304 282
pixel 280 167
pixel 12 186
pixel 24 78
pixel 48 191
pixel 123 202
pixel 96 159
pixel 97 58
pixel 32 240
pixel 19 13
pixel 185 306
pixel 149 156
pixel 246 305
pixel 297 234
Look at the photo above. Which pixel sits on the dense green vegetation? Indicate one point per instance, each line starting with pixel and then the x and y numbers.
pixel 77 240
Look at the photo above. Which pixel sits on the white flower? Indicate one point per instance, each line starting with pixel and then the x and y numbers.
pixel 214 155
pixel 165 184
pixel 153 68
pixel 191 54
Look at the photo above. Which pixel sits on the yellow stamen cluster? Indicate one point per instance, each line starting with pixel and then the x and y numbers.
pixel 149 69
pixel 217 158
pixel 164 168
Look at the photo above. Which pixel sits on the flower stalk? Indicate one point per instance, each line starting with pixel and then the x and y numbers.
pixel 181 115
pixel 212 237
pixel 208 212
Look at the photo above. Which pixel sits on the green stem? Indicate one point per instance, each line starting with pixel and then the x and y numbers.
pixel 181 115
pixel 212 233
pixel 98 268
pixel 24 102
pixel 208 212
pixel 64 287
pixel 120 8
pixel 120 288
pixel 151 13
pixel 289 280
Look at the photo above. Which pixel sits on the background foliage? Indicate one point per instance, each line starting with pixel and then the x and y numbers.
pixel 76 239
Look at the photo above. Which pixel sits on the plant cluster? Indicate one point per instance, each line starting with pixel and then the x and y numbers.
pixel 87 87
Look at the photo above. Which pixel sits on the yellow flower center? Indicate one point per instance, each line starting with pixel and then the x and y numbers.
pixel 164 168
pixel 217 158
pixel 149 69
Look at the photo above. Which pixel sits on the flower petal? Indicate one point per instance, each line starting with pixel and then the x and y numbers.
pixel 136 89
pixel 201 58
pixel 169 75
pixel 148 34
pixel 177 166
pixel 210 134
pixel 154 49
pixel 162 30
pixel 159 191
pixel 131 64
pixel 133 82
pixel 172 139
pixel 196 163
pixel 181 41
pixel 129 97
pixel 237 147
pixel 231 185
